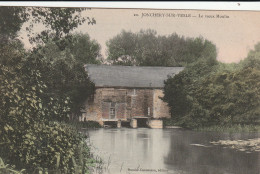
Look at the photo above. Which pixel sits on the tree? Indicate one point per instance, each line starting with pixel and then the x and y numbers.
pixel 65 67
pixel 23 110
pixel 58 22
pixel 11 21
pixel 30 109
pixel 253 58
pixel 209 93
pixel 66 59
pixel 84 50
pixel 146 48
pixel 121 49
pixel 180 92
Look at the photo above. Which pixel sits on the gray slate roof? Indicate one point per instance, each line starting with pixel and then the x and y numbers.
pixel 130 76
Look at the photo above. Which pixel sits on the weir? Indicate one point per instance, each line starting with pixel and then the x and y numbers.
pixel 137 122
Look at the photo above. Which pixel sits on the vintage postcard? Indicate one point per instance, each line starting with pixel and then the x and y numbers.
pixel 129 90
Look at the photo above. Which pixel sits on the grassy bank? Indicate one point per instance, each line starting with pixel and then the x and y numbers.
pixel 231 128
pixel 218 128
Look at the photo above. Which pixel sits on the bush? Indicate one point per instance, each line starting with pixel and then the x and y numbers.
pixel 53 146
pixel 87 124
pixel 30 137
pixel 6 169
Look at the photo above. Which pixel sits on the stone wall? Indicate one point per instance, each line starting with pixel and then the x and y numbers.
pixel 93 108
pixel 155 124
pixel 128 103
pixel 160 108
pixel 120 111
pixel 142 103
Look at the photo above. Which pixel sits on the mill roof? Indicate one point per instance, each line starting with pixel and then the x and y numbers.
pixel 130 76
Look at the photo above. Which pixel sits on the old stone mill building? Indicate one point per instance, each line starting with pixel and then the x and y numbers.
pixel 127 95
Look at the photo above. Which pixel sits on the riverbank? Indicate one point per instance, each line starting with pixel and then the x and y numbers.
pixel 231 128
pixel 169 123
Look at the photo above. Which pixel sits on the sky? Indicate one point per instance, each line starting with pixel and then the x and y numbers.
pixel 233 32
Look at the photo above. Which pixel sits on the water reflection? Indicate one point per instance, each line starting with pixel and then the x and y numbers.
pixel 174 151
pixel 209 159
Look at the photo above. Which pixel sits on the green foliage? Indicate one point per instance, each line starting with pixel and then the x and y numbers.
pixel 146 48
pixel 232 97
pixel 207 93
pixel 253 58
pixel 6 169
pixel 53 146
pixel 87 124
pixel 60 20
pixel 84 50
pixel 20 94
pixel 36 91
pixel 168 122
pixel 65 67
pixel 28 138
pixel 57 22
pixel 11 20
pixel 179 92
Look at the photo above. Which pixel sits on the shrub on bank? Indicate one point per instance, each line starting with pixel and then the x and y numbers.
pixel 168 122
pixel 30 139
pixel 6 169
pixel 87 124
pixel 55 146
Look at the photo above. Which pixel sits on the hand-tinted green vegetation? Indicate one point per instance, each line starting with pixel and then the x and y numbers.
pixel 87 124
pixel 41 90
pixel 209 93
pixel 65 67
pixel 146 48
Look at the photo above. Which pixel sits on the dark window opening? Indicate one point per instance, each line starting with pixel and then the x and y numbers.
pixel 125 124
pixel 110 124
pixel 142 122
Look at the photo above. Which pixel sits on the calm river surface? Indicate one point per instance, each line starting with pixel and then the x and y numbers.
pixel 175 151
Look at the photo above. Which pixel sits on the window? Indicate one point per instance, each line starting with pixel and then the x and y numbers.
pixel 112 113
pixel 133 101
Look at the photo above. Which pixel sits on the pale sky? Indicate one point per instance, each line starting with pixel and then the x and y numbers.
pixel 234 36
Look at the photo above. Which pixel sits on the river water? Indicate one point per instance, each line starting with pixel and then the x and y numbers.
pixel 175 151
